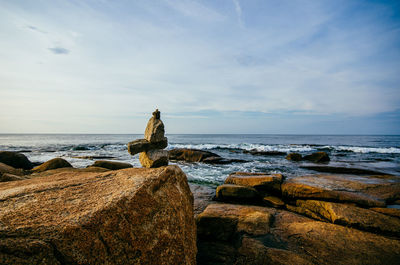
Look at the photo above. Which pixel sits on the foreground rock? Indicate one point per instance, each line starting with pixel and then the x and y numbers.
pixel 15 159
pixel 52 164
pixel 259 181
pixel 112 165
pixel 131 216
pixel 237 234
pixel 10 170
pixel 349 215
pixel 373 191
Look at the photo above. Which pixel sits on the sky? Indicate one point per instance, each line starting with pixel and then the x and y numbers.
pixel 226 66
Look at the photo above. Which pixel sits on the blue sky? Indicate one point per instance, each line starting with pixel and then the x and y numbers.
pixel 228 66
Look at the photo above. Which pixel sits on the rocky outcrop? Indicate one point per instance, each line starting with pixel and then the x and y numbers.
pixel 264 153
pixel 190 155
pixel 230 192
pixel 52 164
pixel 10 170
pixel 294 157
pixel 15 159
pixel 150 148
pixel 388 211
pixel 130 216
pixel 260 181
pixel 112 165
pixel 317 157
pixel 237 234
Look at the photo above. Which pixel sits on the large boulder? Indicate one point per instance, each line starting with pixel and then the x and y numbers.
pixel 130 216
pixel 154 158
pixel 113 165
pixel 190 155
pixel 317 157
pixel 370 191
pixel 142 145
pixel 52 164
pixel 349 215
pixel 15 159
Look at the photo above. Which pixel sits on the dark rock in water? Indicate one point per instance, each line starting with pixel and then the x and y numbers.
pixel 142 145
pixel 80 148
pixel 190 155
pixel 294 157
pixel 264 153
pixel 317 157
pixel 52 164
pixel 94 157
pixel 154 158
pixel 14 159
pixel 221 161
pixel 371 191
pixel 111 165
pixel 349 215
pixel 231 192
pixel 343 170
pixel 132 216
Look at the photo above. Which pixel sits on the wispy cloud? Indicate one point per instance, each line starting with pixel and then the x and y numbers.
pixel 59 50
pixel 238 10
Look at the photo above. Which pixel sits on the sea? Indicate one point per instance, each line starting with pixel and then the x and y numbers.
pixel 374 152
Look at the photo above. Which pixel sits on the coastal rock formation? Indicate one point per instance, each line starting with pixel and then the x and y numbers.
pixel 130 216
pixel 10 170
pixel 112 165
pixel 150 148
pixel 342 170
pixel 231 192
pixel 259 181
pixel 194 155
pixel 52 164
pixel 15 159
pixel 264 153
pixel 294 157
pixel 317 157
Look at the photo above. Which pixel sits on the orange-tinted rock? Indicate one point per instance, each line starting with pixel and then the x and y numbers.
pixel 15 159
pixel 154 158
pixel 231 192
pixel 130 216
pixel 10 170
pixel 52 164
pixel 154 130
pixel 349 215
pixel 112 165
pixel 256 180
pixel 273 201
pixel 388 211
pixel 366 191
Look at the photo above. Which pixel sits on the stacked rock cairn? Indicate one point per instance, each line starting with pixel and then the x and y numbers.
pixel 151 148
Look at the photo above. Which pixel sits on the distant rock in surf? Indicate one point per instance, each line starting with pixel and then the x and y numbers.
pixel 151 148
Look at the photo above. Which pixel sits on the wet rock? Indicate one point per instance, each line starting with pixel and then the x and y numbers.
pixel 221 161
pixel 52 164
pixel 132 216
pixel 203 196
pixel 155 129
pixel 349 215
pixel 154 158
pixel 190 155
pixel 317 157
pixel 230 192
pixel 14 159
pixel 112 165
pixel 264 153
pixel 294 157
pixel 343 170
pixel 259 181
pixel 388 211
pixel 142 145
pixel 369 191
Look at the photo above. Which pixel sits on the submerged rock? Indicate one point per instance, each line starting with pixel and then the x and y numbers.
pixel 15 159
pixel 52 164
pixel 131 216
pixel 111 165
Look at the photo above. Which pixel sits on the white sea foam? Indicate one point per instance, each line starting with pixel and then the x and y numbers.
pixel 246 146
pixel 364 150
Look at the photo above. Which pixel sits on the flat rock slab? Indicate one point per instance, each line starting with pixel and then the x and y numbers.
pixel 130 216
pixel 349 215
pixel 259 181
pixel 373 191
pixel 231 192
pixel 142 145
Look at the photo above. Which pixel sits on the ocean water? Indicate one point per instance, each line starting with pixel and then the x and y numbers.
pixel 381 153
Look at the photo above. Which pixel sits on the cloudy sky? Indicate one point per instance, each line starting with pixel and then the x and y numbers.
pixel 226 66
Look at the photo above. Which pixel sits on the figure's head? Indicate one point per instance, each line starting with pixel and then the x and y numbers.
pixel 157 114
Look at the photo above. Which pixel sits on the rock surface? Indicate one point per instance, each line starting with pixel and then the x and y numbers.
pixel 142 145
pixel 317 157
pixel 130 216
pixel 231 192
pixel 370 191
pixel 154 158
pixel 15 159
pixel 10 170
pixel 112 165
pixel 388 211
pixel 259 181
pixel 155 129
pixel 190 155
pixel 343 170
pixel 52 164
pixel 294 157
